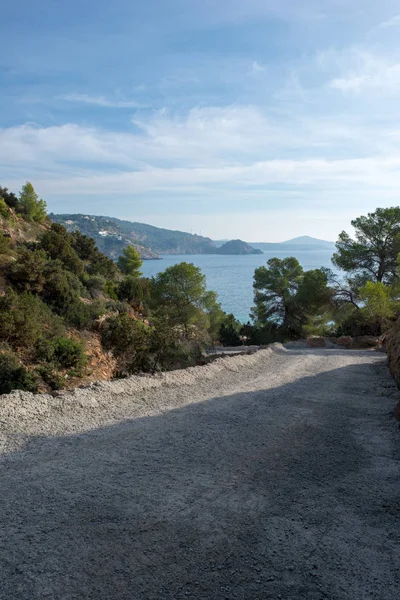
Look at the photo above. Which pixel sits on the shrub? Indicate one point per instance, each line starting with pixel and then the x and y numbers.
pixel 229 332
pixel 111 290
pixel 68 352
pixel 3 209
pixel 50 375
pixel 117 306
pixel 5 244
pixel 14 376
pixel 56 245
pixel 130 341
pixel 357 323
pixel 84 246
pixel 261 335
pixel 24 319
pixel 61 288
pixel 131 289
pixel 61 351
pixel 102 265
pixel 96 262
pixel 10 199
pixel 95 284
pixel 82 315
pixel 28 272
pixel 168 350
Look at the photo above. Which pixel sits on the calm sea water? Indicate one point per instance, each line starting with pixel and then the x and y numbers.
pixel 232 276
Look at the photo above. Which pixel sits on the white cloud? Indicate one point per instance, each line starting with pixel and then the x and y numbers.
pixel 257 68
pixel 100 101
pixel 210 154
pixel 386 78
pixel 32 147
pixel 363 71
pixel 207 137
pixel 393 22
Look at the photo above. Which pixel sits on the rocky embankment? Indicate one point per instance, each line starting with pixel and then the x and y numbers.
pixel 392 343
pixel 392 339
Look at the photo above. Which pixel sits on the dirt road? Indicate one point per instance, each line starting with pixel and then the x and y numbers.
pixel 274 475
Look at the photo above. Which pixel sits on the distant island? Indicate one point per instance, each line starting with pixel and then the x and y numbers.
pixel 236 247
pixel 113 235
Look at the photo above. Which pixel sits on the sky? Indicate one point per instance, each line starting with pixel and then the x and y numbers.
pixel 260 120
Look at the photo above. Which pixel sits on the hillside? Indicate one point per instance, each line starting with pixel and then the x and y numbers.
pixel 112 235
pixel 69 314
pixel 236 247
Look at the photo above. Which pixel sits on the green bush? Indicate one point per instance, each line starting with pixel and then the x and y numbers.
pixel 82 315
pixel 95 284
pixel 84 246
pixel 229 332
pixel 96 262
pixel 48 372
pixel 168 350
pixel 111 290
pixel 14 376
pixel 117 306
pixel 24 319
pixel 100 264
pixel 61 351
pixel 3 209
pixel 358 323
pixel 131 289
pixel 69 353
pixel 5 244
pixel 55 244
pixel 28 272
pixel 130 341
pixel 61 288
pixel 261 335
pixel 10 199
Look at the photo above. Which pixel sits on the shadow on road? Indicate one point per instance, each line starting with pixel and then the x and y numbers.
pixel 287 493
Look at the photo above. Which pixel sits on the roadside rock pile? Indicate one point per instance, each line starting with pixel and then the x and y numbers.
pixel 316 342
pixel 345 341
pixel 348 342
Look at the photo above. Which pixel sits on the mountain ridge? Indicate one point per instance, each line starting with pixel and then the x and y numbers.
pixel 304 242
pixel 112 235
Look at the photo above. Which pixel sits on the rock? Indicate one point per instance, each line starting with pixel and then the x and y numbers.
pixel 345 341
pixel 315 342
pixel 392 342
pixel 366 341
pixel 383 340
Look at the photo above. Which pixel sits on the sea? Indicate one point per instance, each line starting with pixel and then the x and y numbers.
pixel 232 276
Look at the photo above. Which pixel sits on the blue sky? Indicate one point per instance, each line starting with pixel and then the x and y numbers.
pixel 260 119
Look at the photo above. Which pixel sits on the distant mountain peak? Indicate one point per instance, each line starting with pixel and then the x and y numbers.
pixel 308 240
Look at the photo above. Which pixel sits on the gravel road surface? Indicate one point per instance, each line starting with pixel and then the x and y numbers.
pixel 273 475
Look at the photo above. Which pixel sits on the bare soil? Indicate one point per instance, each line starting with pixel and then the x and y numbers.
pixel 262 476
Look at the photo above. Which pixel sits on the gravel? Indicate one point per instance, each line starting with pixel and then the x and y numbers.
pixel 268 475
